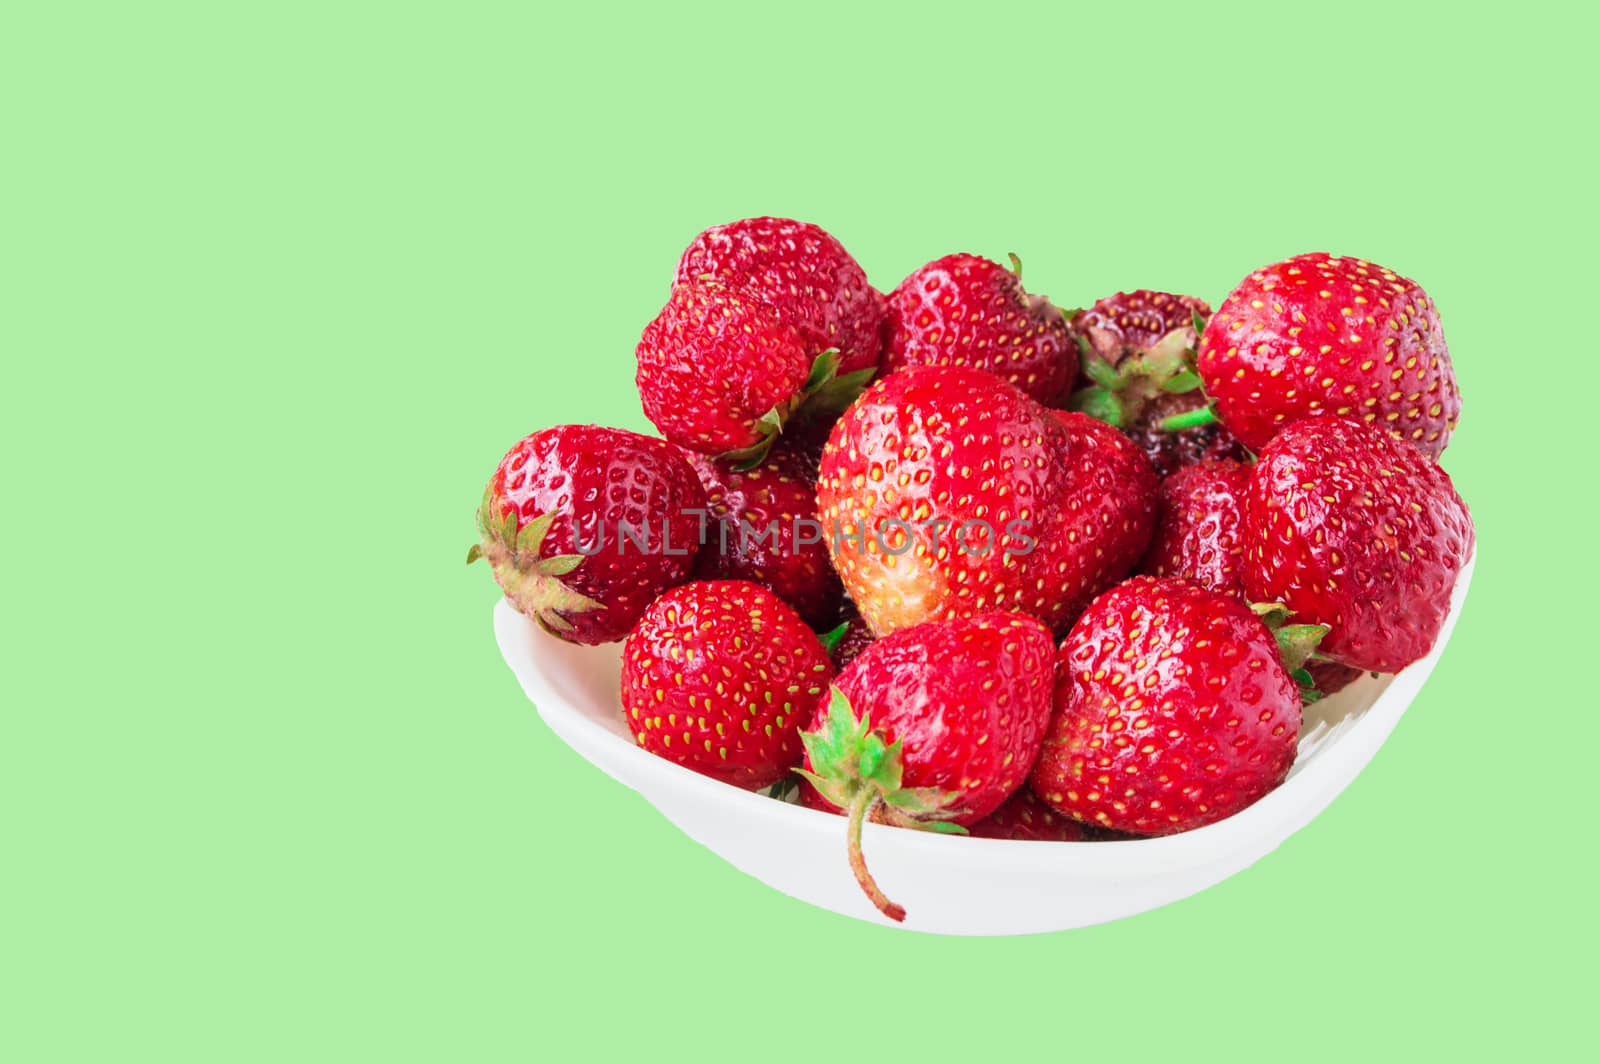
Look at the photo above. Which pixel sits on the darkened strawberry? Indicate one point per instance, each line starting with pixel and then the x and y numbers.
pixel 722 373
pixel 719 677
pixel 803 272
pixel 846 640
pixel 585 525
pixel 945 492
pixel 934 726
pixel 765 531
pixel 1138 374
pixel 1330 677
pixel 1318 335
pixel 1351 528
pixel 1025 817
pixel 964 310
pixel 1174 708
pixel 1200 526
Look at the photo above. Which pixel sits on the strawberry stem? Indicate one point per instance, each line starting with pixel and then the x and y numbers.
pixel 1203 415
pixel 860 805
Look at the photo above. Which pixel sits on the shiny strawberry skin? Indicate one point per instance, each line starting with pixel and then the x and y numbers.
pixel 1172 711
pixel 1321 335
pixel 968 698
pixel 802 271
pixel 596 481
pixel 1200 526
pixel 1025 818
pixel 1352 528
pixel 719 676
pixel 712 363
pixel 1111 499
pixel 964 310
pixel 765 532
pixel 1069 502
pixel 1125 326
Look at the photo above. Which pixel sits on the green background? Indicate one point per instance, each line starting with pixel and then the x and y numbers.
pixel 282 282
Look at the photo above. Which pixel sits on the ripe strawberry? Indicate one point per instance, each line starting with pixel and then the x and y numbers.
pixel 584 525
pixel 934 725
pixel 802 271
pixel 964 310
pixel 1025 817
pixel 766 532
pixel 721 373
pixel 1139 375
pixel 1318 334
pixel 1200 526
pixel 945 492
pixel 718 677
pixel 1174 709
pixel 1351 528
pixel 1110 510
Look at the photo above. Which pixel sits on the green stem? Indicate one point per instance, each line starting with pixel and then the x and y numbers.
pixel 860 805
pixel 1202 415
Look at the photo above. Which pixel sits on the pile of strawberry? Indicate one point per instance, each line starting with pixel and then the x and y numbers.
pixel 1075 574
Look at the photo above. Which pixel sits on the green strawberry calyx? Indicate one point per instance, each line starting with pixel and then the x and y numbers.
pixel 854 768
pixel 1297 645
pixel 823 397
pixel 1117 394
pixel 531 583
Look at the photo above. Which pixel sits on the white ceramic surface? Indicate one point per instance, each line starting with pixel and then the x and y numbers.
pixel 953 884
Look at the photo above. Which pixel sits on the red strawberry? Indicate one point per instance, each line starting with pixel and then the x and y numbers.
pixel 945 492
pixel 1318 334
pixel 934 725
pixel 766 532
pixel 1200 526
pixel 721 373
pixel 802 271
pixel 849 638
pixel 719 676
pixel 1139 375
pixel 964 310
pixel 1025 817
pixel 1174 709
pixel 1351 528
pixel 584 525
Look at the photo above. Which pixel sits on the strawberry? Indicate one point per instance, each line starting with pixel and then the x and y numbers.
pixel 1139 375
pixel 1330 677
pixel 1025 817
pixel 1318 334
pixel 718 677
pixel 805 273
pixel 766 532
pixel 849 638
pixel 945 492
pixel 1174 708
pixel 721 373
pixel 1349 527
pixel 1110 511
pixel 933 726
pixel 584 525
pixel 1200 526
pixel 964 310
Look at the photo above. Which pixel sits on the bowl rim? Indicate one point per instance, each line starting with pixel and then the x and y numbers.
pixel 1212 842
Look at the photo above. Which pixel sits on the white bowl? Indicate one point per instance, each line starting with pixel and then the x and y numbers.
pixel 956 885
